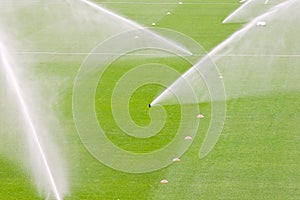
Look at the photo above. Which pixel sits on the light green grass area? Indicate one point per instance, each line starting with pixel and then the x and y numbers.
pixel 256 157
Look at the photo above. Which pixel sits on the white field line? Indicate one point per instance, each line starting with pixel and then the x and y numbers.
pixel 161 3
pixel 256 55
pixel 84 53
pixel 138 3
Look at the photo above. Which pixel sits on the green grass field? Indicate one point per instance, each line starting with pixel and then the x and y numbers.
pixel 256 157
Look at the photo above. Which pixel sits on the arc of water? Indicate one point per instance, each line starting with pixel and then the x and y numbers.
pixel 27 117
pixel 134 24
pixel 236 11
pixel 214 52
pixel 212 140
pixel 246 28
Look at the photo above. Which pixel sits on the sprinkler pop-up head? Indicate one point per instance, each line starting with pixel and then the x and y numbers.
pixel 149 105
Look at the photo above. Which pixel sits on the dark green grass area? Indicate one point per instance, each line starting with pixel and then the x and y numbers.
pixel 256 157
pixel 199 19
pixel 138 104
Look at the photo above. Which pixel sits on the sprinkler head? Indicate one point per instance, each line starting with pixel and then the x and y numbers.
pixel 149 105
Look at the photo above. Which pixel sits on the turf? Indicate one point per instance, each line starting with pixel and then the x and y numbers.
pixel 256 156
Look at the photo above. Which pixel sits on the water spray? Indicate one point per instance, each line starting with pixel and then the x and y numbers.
pixel 236 11
pixel 27 116
pixel 215 52
pixel 135 25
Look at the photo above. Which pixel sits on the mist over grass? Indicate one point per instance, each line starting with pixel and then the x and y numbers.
pixel 256 156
